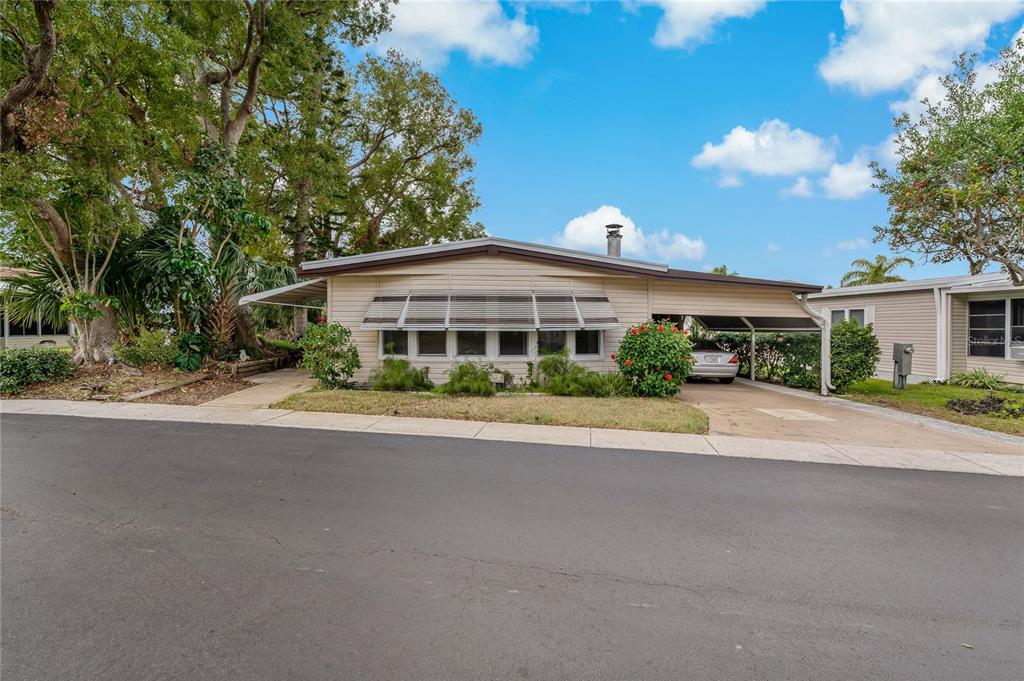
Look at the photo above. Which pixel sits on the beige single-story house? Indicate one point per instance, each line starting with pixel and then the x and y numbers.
pixel 508 303
pixel 30 333
pixel 955 323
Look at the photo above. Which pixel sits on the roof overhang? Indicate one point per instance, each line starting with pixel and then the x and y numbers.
pixel 755 323
pixel 537 253
pixel 293 295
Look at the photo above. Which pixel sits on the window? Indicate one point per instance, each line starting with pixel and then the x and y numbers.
pixel 433 343
pixel 550 342
pixel 395 342
pixel 512 343
pixel 588 342
pixel 471 343
pixel 1017 322
pixel 858 315
pixel 986 328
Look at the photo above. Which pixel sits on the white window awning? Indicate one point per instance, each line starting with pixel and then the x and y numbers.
pixel 504 310
pixel 294 295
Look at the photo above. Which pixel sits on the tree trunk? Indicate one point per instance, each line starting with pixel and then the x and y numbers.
pixel 302 215
pixel 95 338
pixel 245 334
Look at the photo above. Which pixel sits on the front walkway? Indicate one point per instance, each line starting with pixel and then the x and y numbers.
pixel 270 387
pixel 909 456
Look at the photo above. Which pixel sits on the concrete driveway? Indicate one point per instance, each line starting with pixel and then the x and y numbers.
pixel 746 410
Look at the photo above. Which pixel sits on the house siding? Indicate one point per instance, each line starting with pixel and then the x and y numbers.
pixel 898 317
pixel 1011 370
pixel 634 298
pixel 60 340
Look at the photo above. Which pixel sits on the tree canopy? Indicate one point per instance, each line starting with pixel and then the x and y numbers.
pixel 957 190
pixel 877 271
pixel 156 159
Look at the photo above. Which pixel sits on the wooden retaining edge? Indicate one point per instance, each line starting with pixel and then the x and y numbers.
pixel 164 388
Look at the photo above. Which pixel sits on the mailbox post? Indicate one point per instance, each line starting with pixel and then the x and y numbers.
pixel 902 364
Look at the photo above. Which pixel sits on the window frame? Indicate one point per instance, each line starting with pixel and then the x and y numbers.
pixel 1007 325
pixel 380 343
pixel 868 316
pixel 527 338
pixel 589 355
pixel 447 345
pixel 565 335
pixel 487 344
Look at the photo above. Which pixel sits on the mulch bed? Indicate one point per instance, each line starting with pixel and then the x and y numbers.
pixel 119 380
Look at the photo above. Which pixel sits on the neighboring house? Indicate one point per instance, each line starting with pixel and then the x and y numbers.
pixel 30 333
pixel 508 302
pixel 955 323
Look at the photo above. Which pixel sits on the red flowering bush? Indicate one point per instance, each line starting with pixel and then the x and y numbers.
pixel 654 358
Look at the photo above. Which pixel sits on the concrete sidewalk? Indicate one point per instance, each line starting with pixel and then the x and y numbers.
pixel 932 459
pixel 270 387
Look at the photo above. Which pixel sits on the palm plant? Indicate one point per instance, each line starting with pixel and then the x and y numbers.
pixel 879 271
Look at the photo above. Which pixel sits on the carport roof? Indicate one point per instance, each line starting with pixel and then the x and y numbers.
pixel 293 294
pixel 757 323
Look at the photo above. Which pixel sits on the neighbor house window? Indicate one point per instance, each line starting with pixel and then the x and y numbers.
pixel 28 327
pixel 471 343
pixel 395 342
pixel 986 328
pixel 588 342
pixel 512 343
pixel 433 343
pixel 855 314
pixel 550 342
pixel 48 329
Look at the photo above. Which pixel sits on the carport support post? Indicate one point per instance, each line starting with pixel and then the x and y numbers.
pixel 753 347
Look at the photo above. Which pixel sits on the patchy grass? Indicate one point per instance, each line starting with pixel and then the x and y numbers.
pixel 929 399
pixel 627 413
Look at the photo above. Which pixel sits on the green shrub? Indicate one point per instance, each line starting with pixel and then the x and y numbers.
pixel 282 344
pixel 147 348
pixel 20 367
pixel 790 358
pixel 330 355
pixel 399 374
pixel 562 376
pixel 977 378
pixel 192 349
pixel 467 378
pixel 854 354
pixel 654 358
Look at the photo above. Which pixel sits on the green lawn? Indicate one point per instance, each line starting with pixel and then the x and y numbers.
pixel 929 399
pixel 628 413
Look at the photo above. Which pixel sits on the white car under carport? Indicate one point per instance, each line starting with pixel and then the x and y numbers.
pixel 711 361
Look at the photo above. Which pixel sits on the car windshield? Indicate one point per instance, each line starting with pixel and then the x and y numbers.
pixel 707 345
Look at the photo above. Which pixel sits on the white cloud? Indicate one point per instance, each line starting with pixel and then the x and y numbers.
pixel 773 149
pixel 846 245
pixel 848 180
pixel 730 180
pixel 430 30
pixel 773 247
pixel 587 233
pixel 887 45
pixel 801 189
pixel 688 24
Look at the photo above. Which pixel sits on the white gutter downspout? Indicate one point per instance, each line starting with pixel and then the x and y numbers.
pixel 826 342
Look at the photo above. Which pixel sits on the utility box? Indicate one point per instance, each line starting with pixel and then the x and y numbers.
pixel 902 364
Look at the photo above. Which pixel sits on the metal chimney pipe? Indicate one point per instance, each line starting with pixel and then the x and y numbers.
pixel 614 240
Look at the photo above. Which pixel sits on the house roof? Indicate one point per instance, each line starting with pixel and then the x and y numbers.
pixel 520 249
pixel 956 284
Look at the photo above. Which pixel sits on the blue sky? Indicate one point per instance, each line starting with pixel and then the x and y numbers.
pixel 730 134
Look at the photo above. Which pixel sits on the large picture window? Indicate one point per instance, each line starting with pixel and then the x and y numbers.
pixel 550 342
pixel 512 343
pixel 471 343
pixel 986 328
pixel 588 342
pixel 1017 323
pixel 395 342
pixel 433 343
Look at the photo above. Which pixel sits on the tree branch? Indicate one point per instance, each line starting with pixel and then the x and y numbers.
pixel 29 84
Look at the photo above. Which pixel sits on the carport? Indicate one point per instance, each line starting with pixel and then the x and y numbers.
pixel 812 323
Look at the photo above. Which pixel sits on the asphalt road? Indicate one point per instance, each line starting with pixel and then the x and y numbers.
pixel 156 550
